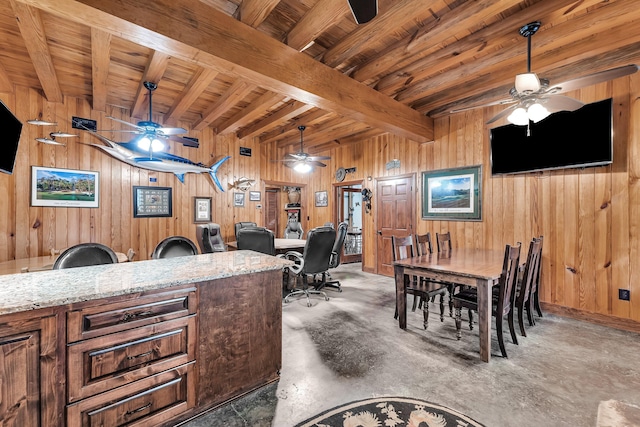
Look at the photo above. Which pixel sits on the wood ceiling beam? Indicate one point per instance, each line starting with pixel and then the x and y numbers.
pixel 100 59
pixel 289 128
pixel 35 40
pixel 497 36
pixel 422 43
pixel 201 80
pixel 252 112
pixel 291 109
pixel 321 133
pixel 254 12
pixel 6 85
pixel 156 66
pixel 398 15
pixel 197 33
pixel 238 90
pixel 323 15
pixel 353 139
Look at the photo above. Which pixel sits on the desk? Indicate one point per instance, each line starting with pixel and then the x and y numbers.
pixel 39 263
pixel 480 268
pixel 282 245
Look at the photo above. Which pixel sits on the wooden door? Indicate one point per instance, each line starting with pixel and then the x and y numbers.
pixel 395 214
pixel 271 211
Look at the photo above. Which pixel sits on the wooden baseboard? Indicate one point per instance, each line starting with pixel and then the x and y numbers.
pixel 600 319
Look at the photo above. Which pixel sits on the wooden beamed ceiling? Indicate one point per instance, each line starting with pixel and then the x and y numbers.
pixel 261 68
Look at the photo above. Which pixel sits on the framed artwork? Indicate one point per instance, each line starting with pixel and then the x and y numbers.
pixel 152 202
pixel 64 188
pixel 452 194
pixel 238 199
pixel 254 196
pixel 322 199
pixel 202 209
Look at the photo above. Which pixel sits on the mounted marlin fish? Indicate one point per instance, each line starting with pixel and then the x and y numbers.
pixel 145 151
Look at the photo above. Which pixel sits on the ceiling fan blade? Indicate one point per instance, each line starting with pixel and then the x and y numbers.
pixel 489 104
pixel 592 79
pixel 315 158
pixel 315 163
pixel 296 156
pixel 555 103
pixel 124 122
pixel 184 141
pixel 172 131
pixel 503 113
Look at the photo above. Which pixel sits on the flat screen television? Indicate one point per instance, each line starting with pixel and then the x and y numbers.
pixel 567 139
pixel 10 129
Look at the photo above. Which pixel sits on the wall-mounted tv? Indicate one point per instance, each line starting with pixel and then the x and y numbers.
pixel 10 129
pixel 567 139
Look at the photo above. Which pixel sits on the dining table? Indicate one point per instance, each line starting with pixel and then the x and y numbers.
pixel 480 268
pixel 39 263
pixel 281 245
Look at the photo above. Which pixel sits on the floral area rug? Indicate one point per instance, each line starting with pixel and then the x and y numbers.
pixel 390 412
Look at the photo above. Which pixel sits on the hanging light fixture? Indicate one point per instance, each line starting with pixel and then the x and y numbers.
pixel 529 111
pixel 149 142
pixel 302 167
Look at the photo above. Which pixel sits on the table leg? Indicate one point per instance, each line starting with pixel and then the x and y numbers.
pixel 401 297
pixel 484 318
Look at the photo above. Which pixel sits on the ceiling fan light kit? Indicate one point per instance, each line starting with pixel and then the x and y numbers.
pixel 527 82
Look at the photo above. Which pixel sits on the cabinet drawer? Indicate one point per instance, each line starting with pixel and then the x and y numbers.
pixel 101 363
pixel 106 318
pixel 148 402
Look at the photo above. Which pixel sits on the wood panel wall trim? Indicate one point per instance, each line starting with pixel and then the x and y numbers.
pixel 591 317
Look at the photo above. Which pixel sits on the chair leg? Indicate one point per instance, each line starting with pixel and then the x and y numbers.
pixel 512 327
pixel 425 312
pixel 458 319
pixel 451 290
pixel 415 302
pixel 470 320
pixel 441 307
pixel 521 320
pixel 500 337
pixel 536 303
pixel 529 307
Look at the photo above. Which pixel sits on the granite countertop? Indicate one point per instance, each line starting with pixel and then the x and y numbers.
pixel 29 291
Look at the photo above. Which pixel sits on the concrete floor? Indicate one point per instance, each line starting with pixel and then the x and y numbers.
pixel 351 348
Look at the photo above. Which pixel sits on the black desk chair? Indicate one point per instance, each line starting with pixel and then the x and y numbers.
pixel 209 238
pixel 85 254
pixel 336 252
pixel 243 224
pixel 314 260
pixel 257 239
pixel 174 246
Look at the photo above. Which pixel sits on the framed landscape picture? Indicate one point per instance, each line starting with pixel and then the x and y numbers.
pixel 152 202
pixel 254 196
pixel 64 188
pixel 452 194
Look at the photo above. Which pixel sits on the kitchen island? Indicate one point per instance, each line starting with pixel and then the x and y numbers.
pixel 146 343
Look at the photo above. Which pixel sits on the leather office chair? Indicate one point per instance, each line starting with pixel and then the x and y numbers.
pixel 336 252
pixel 293 230
pixel 174 246
pixel 85 254
pixel 502 301
pixel 209 238
pixel 257 239
pixel 243 224
pixel 314 260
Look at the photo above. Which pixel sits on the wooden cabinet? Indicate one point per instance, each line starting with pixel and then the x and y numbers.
pixel 133 361
pixel 30 371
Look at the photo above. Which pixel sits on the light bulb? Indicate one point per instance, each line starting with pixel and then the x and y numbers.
pixel 156 145
pixel 144 143
pixel 519 117
pixel 537 112
pixel 302 167
pixel 527 82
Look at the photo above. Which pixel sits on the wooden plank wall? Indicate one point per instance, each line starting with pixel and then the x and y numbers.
pixel 590 218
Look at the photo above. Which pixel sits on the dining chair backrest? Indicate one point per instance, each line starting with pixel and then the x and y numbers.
pixel 535 282
pixel 443 241
pixel 402 247
pixel 508 278
pixel 423 244
pixel 530 270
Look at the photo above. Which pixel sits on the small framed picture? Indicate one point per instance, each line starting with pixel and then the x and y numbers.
pixel 322 199
pixel 238 199
pixel 254 196
pixel 152 202
pixel 202 209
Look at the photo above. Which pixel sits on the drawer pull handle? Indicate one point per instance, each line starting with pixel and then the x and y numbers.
pixel 139 355
pixel 131 316
pixel 140 409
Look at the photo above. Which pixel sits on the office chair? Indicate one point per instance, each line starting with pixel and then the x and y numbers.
pixel 315 259
pixel 85 254
pixel 293 230
pixel 257 239
pixel 335 254
pixel 209 238
pixel 243 224
pixel 174 246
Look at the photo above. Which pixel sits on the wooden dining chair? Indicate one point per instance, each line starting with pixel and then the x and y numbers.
pixel 524 299
pixel 535 285
pixel 424 247
pixel 502 301
pixel 443 244
pixel 403 248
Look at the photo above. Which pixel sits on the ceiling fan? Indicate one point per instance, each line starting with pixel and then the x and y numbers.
pixel 301 161
pixel 534 98
pixel 151 133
